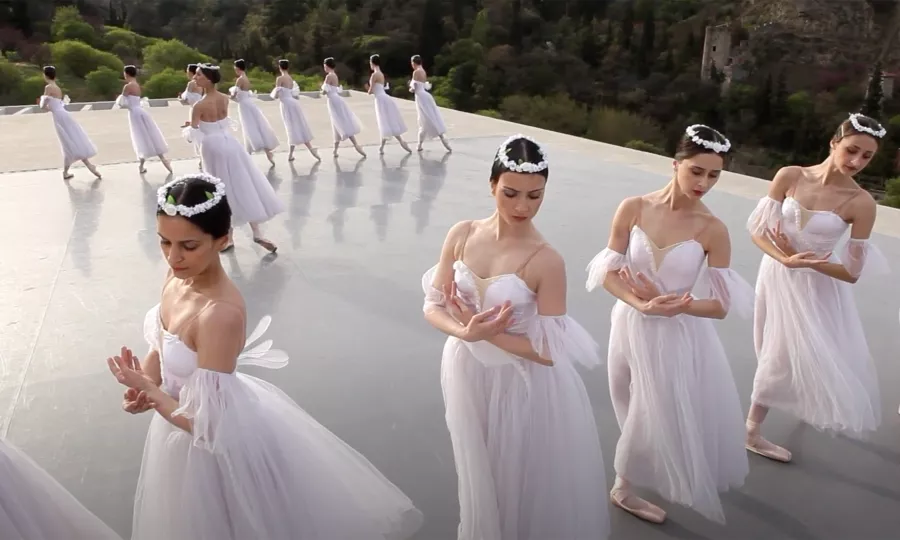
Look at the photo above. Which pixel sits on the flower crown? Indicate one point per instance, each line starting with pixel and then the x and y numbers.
pixel 717 147
pixel 208 66
pixel 520 165
pixel 854 120
pixel 166 202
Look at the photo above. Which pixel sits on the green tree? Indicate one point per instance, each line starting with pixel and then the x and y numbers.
pixel 171 54
pixel 627 29
pixel 104 83
pixel 764 102
pixel 68 24
pixel 648 38
pixel 874 94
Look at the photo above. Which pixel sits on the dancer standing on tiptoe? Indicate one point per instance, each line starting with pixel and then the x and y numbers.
pixel 146 138
pixel 76 145
pixel 298 130
pixel 258 133
pixel 390 121
pixel 431 124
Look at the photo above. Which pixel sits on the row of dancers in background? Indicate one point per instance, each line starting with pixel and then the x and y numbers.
pixel 229 456
pixel 149 142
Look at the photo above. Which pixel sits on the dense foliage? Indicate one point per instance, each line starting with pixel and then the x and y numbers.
pixel 620 71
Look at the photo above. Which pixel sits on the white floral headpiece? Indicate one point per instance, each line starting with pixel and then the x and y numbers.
pixel 167 202
pixel 521 166
pixel 854 119
pixel 717 147
pixel 208 66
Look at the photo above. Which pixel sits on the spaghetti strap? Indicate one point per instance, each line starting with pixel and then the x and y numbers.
pixel 462 249
pixel 535 252
pixel 847 200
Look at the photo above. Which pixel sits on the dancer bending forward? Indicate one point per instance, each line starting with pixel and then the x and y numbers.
pixel 229 456
pixel 524 436
pixel 814 361
pixel 669 378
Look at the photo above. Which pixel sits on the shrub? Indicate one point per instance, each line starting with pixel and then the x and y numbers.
pixel 68 25
pixel 168 83
pixel 104 82
pixel 892 193
pixel 79 59
pixel 614 126
pixel 32 88
pixel 490 113
pixel 171 54
pixel 10 78
pixel 308 83
pixel 557 113
pixel 645 147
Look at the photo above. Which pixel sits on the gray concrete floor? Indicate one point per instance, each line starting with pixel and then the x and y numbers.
pixel 81 265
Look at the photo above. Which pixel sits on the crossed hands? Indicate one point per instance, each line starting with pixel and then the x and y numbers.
pixel 478 326
pixel 795 259
pixel 653 301
pixel 127 370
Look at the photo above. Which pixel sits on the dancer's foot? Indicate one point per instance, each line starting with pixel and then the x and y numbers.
pixel 291 155
pixel 95 172
pixel 621 497
pixel 360 150
pixel 141 168
pixel 315 154
pixel 269 246
pixel 405 147
pixel 446 145
pixel 419 148
pixel 759 445
pixel 167 164
pixel 200 165
pixel 68 176
pixel 381 148
pixel 271 157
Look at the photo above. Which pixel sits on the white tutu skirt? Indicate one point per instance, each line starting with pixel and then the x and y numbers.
pixel 683 428
pixel 814 361
pixel 74 142
pixel 431 123
pixel 298 130
pixel 146 138
pixel 344 124
pixel 250 195
pixel 33 506
pixel 259 467
pixel 258 133
pixel 390 121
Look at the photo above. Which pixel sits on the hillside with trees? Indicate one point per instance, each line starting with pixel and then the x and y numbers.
pixel 620 71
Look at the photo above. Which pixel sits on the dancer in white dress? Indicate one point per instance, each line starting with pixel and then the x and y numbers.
pixel 76 146
pixel 191 95
pixel 813 358
pixel 258 133
pixel 286 92
pixel 344 124
pixel 390 121
pixel 524 436
pixel 250 194
pixel 431 124
pixel 669 378
pixel 34 506
pixel 146 138
pixel 229 456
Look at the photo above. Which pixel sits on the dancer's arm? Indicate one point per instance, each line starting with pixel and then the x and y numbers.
pixel 371 83
pixel 718 255
pixel 861 229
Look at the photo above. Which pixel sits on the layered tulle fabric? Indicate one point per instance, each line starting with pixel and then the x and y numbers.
pixel 298 130
pixel 670 381
pixel 431 123
pixel 390 121
pixel 73 140
pixel 258 133
pixel 34 506
pixel 344 124
pixel 256 465
pixel 814 361
pixel 525 440
pixel 250 195
pixel 146 138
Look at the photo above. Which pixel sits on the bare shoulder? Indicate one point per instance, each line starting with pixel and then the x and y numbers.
pixel 223 318
pixel 460 230
pixel 631 206
pixel 864 204
pixel 549 261
pixel 787 176
pixel 715 227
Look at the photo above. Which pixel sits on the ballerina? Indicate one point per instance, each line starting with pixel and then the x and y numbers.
pixel 250 194
pixel 34 506
pixel 258 133
pixel 524 437
pixel 191 95
pixel 344 124
pixel 76 146
pixel 814 361
pixel 390 121
pixel 229 456
pixel 146 138
pixel 298 130
pixel 669 379
pixel 431 124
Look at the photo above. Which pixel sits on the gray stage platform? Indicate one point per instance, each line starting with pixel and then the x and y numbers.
pixel 81 266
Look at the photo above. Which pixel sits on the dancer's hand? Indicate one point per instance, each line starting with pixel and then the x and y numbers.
pixel 457 308
pixel 667 305
pixel 127 370
pixel 136 402
pixel 639 284
pixel 781 241
pixel 806 259
pixel 488 324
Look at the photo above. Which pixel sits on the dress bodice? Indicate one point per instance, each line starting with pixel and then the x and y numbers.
pixel 417 87
pixel 241 96
pixel 674 269
pixel 331 91
pixel 811 230
pixel 284 93
pixel 54 104
pixel 132 103
pixel 177 362
pixel 484 293
pixel 378 89
pixel 222 126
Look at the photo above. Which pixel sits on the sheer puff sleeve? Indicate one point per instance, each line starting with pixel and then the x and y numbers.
pixel 434 298
pixel 862 258
pixel 561 339
pixel 766 215
pixel 603 263
pixel 729 288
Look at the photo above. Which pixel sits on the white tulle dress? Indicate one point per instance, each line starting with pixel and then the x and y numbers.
pixel 34 506
pixel 670 382
pixel 431 124
pixel 258 133
pixel 814 361
pixel 298 130
pixel 257 466
pixel 525 440
pixel 390 121
pixel 344 123
pixel 75 143
pixel 250 195
pixel 146 138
